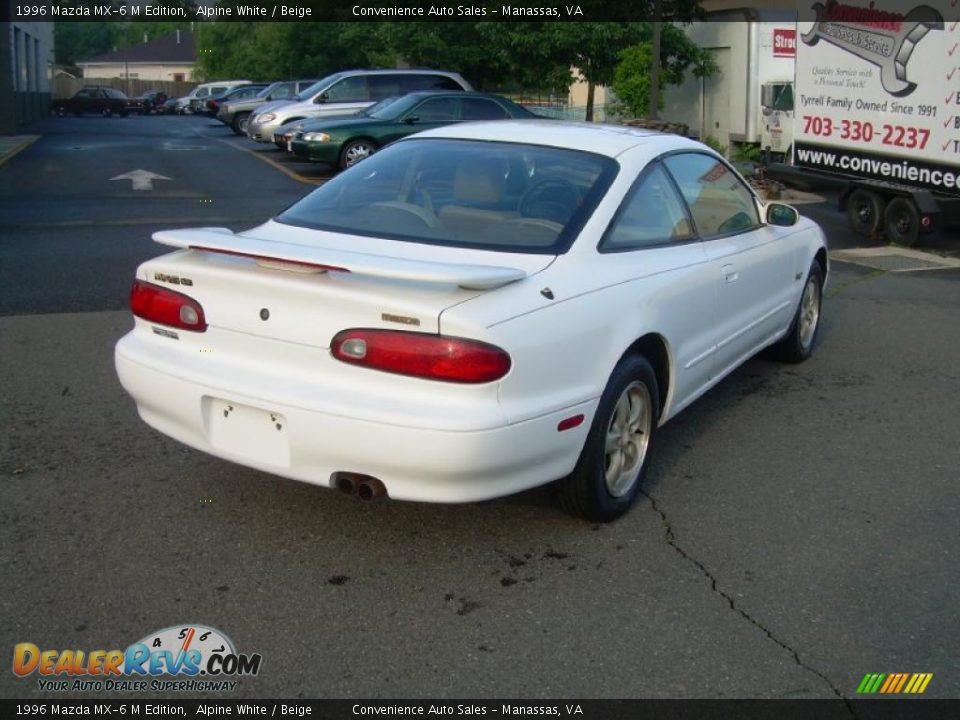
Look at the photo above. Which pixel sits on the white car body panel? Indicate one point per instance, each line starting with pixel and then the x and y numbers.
pixel 270 395
pixel 471 277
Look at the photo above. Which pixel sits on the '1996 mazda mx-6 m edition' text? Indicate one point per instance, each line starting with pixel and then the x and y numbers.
pixel 473 311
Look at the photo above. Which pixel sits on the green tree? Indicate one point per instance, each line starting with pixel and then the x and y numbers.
pixel 463 47
pixel 268 51
pixel 76 41
pixel 678 54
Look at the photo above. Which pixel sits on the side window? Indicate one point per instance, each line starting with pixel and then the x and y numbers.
pixel 481 109
pixel 718 200
pixel 436 110
pixel 651 214
pixel 383 86
pixel 421 81
pixel 281 91
pixel 351 89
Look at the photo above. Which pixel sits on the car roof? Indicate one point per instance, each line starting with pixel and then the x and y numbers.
pixel 394 71
pixel 452 93
pixel 609 140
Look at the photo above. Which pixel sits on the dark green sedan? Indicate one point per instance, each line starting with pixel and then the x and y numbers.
pixel 345 141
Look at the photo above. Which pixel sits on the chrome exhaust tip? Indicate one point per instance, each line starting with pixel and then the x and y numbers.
pixel 371 488
pixel 346 483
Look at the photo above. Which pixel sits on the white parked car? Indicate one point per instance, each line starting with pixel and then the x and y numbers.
pixel 473 311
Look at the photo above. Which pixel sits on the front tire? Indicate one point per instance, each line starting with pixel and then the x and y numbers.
pixel 239 124
pixel 609 473
pixel 355 151
pixel 800 340
pixel 864 212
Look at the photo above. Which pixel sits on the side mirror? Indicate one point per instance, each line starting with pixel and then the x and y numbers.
pixel 411 119
pixel 322 98
pixel 781 215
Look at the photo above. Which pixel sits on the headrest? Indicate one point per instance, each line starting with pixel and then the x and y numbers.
pixel 479 181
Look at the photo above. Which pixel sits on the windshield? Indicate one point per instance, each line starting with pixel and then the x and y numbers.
pixel 268 89
pixel 462 193
pixel 380 110
pixel 317 87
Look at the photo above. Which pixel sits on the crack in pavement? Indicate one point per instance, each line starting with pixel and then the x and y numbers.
pixel 671 540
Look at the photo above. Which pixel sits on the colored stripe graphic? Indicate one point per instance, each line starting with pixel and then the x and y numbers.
pixel 894 683
pixel 903 679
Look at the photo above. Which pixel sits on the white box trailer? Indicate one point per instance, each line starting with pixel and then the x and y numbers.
pixel 750 98
pixel 878 106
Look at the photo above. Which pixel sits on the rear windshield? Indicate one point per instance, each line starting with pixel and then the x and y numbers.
pixel 463 193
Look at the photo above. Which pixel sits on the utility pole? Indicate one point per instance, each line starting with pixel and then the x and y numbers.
pixel 655 61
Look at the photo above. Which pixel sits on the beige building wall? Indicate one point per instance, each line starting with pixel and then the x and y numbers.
pixel 578 92
pixel 138 71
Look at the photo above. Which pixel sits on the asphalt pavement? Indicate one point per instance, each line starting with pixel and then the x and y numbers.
pixel 799 526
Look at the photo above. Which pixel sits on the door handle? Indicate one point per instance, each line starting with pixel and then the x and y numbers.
pixel 730 273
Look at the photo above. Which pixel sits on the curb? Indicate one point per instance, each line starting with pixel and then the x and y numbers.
pixel 10 145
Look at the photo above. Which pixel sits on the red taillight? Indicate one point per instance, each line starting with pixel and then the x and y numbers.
pixel 166 307
pixel 434 357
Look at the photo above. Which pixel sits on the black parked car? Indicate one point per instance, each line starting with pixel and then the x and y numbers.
pixel 104 101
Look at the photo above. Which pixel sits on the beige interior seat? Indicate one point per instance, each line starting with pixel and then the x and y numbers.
pixel 479 187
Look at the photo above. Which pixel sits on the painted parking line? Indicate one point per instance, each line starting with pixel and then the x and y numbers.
pixel 286 171
pixel 121 222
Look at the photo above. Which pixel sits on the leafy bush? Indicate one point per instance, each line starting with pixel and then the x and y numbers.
pixel 711 142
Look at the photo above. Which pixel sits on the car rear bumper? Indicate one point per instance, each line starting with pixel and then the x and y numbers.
pixel 309 439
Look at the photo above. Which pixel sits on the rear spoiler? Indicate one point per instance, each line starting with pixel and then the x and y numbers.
pixel 319 259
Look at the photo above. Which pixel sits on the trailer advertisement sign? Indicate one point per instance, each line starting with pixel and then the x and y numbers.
pixel 878 93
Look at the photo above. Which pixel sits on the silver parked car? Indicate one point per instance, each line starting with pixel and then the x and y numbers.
pixel 236 113
pixel 347 92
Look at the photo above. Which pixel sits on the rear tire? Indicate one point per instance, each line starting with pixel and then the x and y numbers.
pixel 864 212
pixel 800 340
pixel 609 473
pixel 901 222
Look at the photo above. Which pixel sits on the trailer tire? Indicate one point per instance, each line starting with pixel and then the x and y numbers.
pixel 901 221
pixel 864 212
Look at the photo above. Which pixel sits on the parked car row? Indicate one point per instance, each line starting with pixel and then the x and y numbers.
pixel 345 117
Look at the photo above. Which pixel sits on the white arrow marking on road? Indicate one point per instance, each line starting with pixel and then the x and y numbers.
pixel 142 179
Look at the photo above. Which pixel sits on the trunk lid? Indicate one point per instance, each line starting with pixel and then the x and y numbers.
pixel 299 285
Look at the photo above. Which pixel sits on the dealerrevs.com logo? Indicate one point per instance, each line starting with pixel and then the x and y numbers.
pixel 199 657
